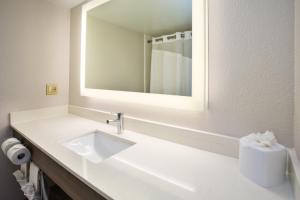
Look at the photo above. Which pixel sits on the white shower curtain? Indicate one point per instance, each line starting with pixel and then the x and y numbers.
pixel 171 64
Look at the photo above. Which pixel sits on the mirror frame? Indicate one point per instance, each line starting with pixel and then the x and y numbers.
pixel 199 99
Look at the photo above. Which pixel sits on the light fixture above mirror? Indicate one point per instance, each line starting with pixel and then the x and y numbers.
pixel 150 52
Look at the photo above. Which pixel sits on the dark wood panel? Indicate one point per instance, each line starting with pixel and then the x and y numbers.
pixel 71 185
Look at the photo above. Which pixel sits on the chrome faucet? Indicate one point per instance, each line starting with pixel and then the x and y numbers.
pixel 118 122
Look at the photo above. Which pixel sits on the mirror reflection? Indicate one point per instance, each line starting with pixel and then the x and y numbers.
pixel 140 46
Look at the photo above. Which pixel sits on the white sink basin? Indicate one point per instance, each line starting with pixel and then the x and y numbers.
pixel 97 146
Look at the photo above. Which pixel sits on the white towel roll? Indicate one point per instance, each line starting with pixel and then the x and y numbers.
pixel 34 175
pixel 18 154
pixel 7 144
pixel 19 175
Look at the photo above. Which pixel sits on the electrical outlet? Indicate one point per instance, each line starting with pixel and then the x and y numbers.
pixel 51 89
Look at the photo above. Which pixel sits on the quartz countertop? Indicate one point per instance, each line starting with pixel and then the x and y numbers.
pixel 152 169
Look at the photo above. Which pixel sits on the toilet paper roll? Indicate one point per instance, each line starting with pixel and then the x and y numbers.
pixel 18 154
pixel 7 144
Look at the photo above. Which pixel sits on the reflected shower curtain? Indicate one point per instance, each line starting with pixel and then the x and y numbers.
pixel 171 64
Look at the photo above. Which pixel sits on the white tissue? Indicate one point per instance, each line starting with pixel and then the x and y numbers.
pixel 18 154
pixel 7 144
pixel 262 159
pixel 266 139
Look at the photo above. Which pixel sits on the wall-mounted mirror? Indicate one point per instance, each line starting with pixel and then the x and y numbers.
pixel 140 46
pixel 144 46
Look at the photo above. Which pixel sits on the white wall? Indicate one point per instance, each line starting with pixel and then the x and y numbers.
pixel 251 71
pixel 297 78
pixel 34 50
pixel 114 57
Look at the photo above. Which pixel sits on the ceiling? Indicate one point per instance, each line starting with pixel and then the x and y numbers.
pixel 152 17
pixel 67 3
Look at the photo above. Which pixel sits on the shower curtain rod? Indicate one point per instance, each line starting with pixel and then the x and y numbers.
pixel 169 37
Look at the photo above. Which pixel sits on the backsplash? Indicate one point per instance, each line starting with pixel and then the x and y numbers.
pixel 216 143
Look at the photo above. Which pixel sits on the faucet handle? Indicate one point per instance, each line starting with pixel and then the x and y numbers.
pixel 118 114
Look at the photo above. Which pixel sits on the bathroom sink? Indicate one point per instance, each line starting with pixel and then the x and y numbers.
pixel 97 146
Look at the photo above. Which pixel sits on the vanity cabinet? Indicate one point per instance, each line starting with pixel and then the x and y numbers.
pixel 70 184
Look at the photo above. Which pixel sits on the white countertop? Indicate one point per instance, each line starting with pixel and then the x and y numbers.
pixel 152 169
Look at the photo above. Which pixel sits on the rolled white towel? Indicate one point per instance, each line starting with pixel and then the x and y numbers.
pixel 20 177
